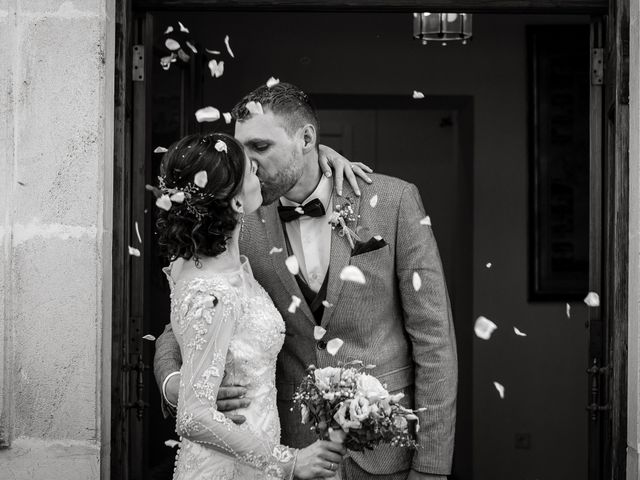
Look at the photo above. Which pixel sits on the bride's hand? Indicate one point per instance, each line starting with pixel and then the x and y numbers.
pixel 319 460
pixel 331 160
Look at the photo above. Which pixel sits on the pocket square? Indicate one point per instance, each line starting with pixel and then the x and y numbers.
pixel 368 246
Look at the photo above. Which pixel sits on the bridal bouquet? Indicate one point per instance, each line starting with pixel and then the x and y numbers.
pixel 346 404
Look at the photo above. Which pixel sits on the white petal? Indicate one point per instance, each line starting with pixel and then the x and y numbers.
pixel 171 443
pixel 292 265
pixel 164 202
pixel 417 94
pixel 216 68
pixel 373 201
pixel 299 210
pixel 149 337
pixel 254 108
pixel 227 117
pixel 220 146
pixel 192 47
pixel 417 281
pixel 207 114
pixel 484 328
pixel 138 232
pixel 201 179
pixel 295 303
pixel 592 299
pixel 318 332
pixel 326 304
pixel 426 221
pixel 275 250
pixel 378 237
pixel 351 273
pixel 499 388
pixel 212 52
pixel 134 251
pixel 489 265
pixel 169 29
pixel 226 42
pixel 272 81
pixel 171 44
pixel 160 150
pixel 568 311
pixel 177 197
pixel 183 28
pixel 334 345
pixel 519 333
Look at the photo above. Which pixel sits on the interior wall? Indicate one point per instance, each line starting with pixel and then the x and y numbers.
pixel 543 373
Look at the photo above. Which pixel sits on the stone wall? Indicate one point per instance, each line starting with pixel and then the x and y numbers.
pixel 56 143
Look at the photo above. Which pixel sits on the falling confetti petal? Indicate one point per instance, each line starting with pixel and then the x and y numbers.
pixel 299 210
pixel 351 273
pixel 164 202
pixel 418 95
pixel 217 68
pixel 165 62
pixel 334 345
pixel 499 388
pixel 212 52
pixel 149 337
pixel 426 221
pixel 226 42
pixel 377 237
pixel 171 44
pixel 519 333
pixel 184 56
pixel 568 311
pixel 484 328
pixel 489 265
pixel 221 146
pixel 592 299
pixel 160 150
pixel 138 232
pixel 255 108
pixel 374 201
pixel 183 28
pixel 417 281
pixel 272 81
pixel 168 30
pixel 172 443
pixel 201 179
pixel 134 252
pixel 295 303
pixel 207 114
pixel 326 304
pixel 318 332
pixel 275 250
pixel 292 265
pixel 192 47
pixel 177 197
pixel 227 117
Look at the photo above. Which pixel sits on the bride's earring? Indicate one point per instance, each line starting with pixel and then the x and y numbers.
pixel 241 223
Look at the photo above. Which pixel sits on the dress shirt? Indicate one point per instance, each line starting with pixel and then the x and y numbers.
pixel 310 237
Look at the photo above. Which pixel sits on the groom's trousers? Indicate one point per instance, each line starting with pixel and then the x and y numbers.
pixel 352 471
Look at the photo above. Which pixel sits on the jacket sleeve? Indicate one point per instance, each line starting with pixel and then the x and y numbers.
pixel 207 325
pixel 429 325
pixel 167 359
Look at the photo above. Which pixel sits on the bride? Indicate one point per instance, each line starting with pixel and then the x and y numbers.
pixel 227 327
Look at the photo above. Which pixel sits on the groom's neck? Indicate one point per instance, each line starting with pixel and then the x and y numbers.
pixel 308 181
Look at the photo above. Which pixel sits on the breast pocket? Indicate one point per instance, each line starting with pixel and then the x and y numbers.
pixel 378 270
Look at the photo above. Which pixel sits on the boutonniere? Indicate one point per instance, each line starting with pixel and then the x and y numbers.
pixel 343 214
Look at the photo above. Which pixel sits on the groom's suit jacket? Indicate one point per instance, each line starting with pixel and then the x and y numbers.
pixel 407 333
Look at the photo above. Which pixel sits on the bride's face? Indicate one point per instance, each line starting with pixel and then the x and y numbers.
pixel 251 194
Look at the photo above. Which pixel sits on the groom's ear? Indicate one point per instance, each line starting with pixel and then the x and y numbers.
pixel 309 138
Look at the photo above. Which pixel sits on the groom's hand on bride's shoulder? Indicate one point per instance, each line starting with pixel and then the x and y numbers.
pixel 232 398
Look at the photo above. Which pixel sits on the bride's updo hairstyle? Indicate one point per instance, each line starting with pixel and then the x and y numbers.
pixel 199 219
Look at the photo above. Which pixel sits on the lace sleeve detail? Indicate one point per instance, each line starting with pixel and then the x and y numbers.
pixel 207 320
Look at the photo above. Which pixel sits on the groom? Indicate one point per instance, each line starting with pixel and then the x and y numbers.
pixel 399 320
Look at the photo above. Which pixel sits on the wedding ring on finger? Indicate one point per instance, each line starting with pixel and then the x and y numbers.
pixel 332 466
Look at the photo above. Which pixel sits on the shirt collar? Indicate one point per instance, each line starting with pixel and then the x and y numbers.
pixel 322 192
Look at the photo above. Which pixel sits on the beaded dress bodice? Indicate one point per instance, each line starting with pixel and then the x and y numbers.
pixel 229 333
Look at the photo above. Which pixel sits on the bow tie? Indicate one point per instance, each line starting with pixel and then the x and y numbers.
pixel 314 208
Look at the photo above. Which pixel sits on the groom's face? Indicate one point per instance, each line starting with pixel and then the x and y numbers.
pixel 277 153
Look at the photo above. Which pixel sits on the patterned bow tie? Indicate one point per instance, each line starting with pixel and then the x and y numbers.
pixel 314 208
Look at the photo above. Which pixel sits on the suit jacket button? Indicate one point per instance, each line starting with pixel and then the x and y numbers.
pixel 321 345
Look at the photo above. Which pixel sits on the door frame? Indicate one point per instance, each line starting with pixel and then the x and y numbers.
pixel 615 207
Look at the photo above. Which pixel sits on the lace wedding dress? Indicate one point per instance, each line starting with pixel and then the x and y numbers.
pixel 229 333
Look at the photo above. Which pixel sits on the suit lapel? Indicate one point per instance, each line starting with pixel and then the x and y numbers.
pixel 340 252
pixel 275 238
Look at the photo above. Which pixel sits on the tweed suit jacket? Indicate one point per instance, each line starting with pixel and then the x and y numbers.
pixel 407 334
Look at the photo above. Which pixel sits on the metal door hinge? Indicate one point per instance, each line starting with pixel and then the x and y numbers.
pixel 596 373
pixel 597 66
pixel 137 63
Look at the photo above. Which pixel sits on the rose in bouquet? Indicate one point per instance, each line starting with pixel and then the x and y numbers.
pixel 349 405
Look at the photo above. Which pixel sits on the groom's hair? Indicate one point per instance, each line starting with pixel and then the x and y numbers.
pixel 283 99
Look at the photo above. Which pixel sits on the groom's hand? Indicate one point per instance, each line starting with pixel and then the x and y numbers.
pixel 232 398
pixel 413 475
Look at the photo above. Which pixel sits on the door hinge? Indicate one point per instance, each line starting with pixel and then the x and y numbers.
pixel 597 66
pixel 137 63
pixel 596 373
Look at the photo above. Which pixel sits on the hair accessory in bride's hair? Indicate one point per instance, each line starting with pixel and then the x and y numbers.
pixel 186 197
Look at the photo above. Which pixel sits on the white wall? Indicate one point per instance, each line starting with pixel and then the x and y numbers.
pixel 56 136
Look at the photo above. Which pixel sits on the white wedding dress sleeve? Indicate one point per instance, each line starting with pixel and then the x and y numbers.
pixel 207 319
